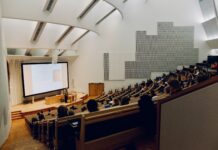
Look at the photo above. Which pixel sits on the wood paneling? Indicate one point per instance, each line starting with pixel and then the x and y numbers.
pixel 96 89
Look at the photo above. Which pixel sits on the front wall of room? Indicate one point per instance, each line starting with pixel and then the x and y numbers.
pixel 4 96
pixel 118 37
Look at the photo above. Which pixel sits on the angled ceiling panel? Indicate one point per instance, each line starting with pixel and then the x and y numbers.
pixel 211 28
pixel 80 37
pixel 75 34
pixel 50 34
pixel 71 7
pixel 38 31
pixel 207 7
pixel 106 16
pixel 19 8
pixel 88 8
pixel 93 16
pixel 64 35
pixel 65 11
pixel 18 32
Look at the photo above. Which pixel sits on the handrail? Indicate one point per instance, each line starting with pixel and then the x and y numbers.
pixel 201 85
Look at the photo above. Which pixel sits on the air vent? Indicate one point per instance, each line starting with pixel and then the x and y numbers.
pixel 108 14
pixel 69 29
pixel 49 6
pixel 79 38
pixel 88 8
pixel 38 31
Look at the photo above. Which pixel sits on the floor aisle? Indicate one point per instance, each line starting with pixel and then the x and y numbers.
pixel 21 139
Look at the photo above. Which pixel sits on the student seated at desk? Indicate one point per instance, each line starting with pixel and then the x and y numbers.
pixel 62 111
pixel 40 116
pixel 92 105
pixel 116 102
pixel 125 101
pixel 174 86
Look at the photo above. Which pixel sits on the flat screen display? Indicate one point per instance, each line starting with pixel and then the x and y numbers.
pixel 44 77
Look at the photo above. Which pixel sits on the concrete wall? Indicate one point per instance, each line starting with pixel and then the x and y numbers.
pixel 190 122
pixel 5 120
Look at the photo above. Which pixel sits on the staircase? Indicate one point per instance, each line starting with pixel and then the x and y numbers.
pixel 16 115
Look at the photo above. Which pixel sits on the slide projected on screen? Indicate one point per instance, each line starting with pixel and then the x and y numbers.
pixel 42 78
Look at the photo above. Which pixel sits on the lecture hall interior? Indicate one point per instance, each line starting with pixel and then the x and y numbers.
pixel 108 74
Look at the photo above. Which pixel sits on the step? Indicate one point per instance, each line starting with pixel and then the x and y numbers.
pixel 16 112
pixel 16 115
pixel 16 118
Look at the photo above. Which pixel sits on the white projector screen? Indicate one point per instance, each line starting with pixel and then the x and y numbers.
pixel 43 78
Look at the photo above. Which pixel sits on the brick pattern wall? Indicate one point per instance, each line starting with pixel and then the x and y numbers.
pixel 171 47
pixel 106 66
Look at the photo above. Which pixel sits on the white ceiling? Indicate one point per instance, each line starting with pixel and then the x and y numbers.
pixel 21 17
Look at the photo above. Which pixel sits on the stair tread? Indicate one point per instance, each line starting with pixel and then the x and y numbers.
pixel 16 111
pixel 16 115
pixel 16 118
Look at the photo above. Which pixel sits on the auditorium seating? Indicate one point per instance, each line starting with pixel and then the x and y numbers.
pixel 113 127
pixel 99 130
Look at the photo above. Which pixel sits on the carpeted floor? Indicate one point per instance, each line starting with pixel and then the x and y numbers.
pixel 21 139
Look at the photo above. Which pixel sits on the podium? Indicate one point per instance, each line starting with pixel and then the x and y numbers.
pixel 96 89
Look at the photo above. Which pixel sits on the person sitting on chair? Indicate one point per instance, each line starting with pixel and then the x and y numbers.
pixel 40 116
pixel 125 101
pixel 174 86
pixel 92 105
pixel 62 111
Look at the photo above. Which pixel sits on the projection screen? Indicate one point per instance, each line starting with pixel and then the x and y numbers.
pixel 44 77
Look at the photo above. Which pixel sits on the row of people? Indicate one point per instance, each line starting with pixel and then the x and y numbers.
pixel 156 89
